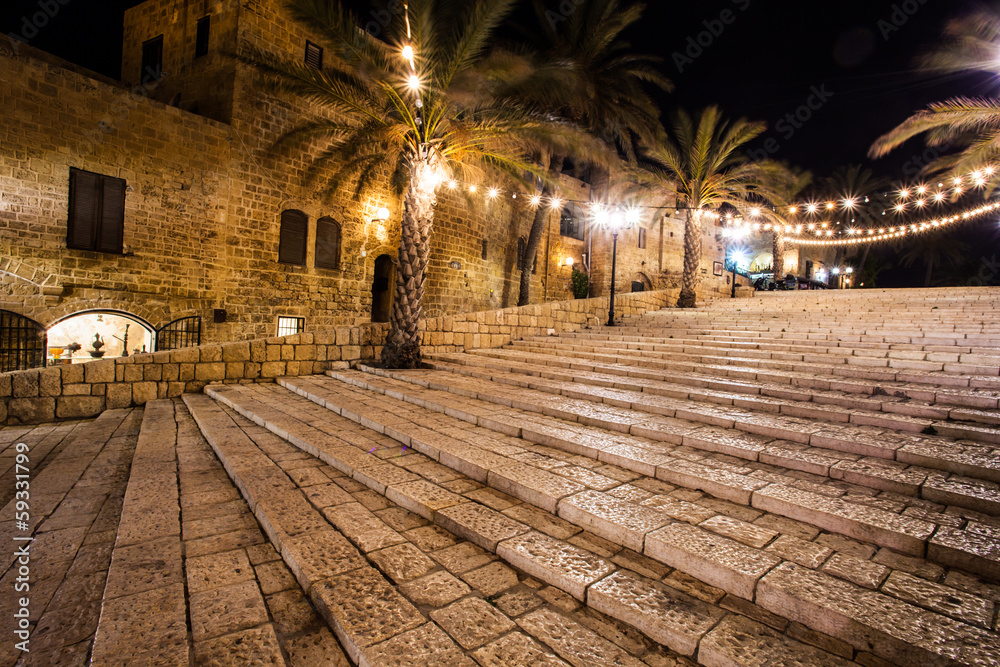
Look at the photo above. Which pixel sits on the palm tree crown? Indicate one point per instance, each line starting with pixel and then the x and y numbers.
pixel 586 72
pixel 703 163
pixel 417 108
pixel 972 44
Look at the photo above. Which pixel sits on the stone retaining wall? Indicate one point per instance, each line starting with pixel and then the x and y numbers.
pixel 86 390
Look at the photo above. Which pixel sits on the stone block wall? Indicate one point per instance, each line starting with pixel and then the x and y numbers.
pixel 85 390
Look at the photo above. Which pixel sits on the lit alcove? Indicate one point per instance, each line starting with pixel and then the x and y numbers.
pixel 112 326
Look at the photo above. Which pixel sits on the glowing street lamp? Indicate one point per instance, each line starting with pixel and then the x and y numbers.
pixel 616 221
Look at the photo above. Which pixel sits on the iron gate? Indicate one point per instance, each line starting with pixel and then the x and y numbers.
pixel 184 332
pixel 22 342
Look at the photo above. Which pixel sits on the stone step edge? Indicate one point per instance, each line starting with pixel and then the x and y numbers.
pixel 151 485
pixel 675 563
pixel 901 454
pixel 932 492
pixel 507 551
pixel 964 411
pixel 959 378
pixel 928 464
pixel 950 552
pixel 865 386
pixel 986 356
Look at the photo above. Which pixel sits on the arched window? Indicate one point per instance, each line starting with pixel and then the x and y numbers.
pixel 327 244
pixel 292 238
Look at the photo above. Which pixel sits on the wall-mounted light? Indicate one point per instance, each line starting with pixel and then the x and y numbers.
pixel 381 215
pixel 569 261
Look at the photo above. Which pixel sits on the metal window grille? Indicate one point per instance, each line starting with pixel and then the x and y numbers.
pixel 183 332
pixel 289 326
pixel 22 342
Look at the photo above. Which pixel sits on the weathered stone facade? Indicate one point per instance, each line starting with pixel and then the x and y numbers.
pixel 206 191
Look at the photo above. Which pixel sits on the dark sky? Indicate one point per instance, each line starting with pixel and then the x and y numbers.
pixel 853 60
pixel 764 59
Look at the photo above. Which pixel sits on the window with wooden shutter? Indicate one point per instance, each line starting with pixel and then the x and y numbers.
pixel 522 250
pixel 327 244
pixel 314 55
pixel 152 59
pixel 642 237
pixel 292 238
pixel 201 37
pixel 96 212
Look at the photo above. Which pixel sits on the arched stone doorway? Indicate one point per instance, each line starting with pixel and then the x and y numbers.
pixel 115 327
pixel 383 283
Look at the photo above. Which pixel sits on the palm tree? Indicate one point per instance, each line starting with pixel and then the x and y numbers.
pixel 588 74
pixel 933 250
pixel 972 43
pixel 703 163
pixel 418 116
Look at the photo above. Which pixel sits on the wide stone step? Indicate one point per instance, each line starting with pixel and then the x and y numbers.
pixel 657 397
pixel 713 557
pixel 878 356
pixel 678 421
pixel 909 531
pixel 892 371
pixel 433 548
pixel 974 393
pixel 848 392
pixel 660 611
pixel 191 579
pixel 653 339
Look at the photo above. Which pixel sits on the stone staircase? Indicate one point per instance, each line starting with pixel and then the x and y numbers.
pixel 795 479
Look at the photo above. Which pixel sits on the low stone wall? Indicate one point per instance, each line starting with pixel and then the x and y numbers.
pixel 85 390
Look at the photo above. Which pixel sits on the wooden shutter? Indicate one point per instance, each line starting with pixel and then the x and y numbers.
pixel 292 238
pixel 327 244
pixel 84 199
pixel 314 55
pixel 111 230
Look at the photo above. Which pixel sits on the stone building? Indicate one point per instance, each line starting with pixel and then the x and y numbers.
pixel 159 198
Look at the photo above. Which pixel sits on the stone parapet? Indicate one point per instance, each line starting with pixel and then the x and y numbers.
pixel 86 390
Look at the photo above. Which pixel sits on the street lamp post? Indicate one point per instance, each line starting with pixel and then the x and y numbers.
pixel 616 221
pixel 733 296
pixel 614 267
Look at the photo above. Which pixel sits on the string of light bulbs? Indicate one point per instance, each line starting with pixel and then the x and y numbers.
pixel 873 236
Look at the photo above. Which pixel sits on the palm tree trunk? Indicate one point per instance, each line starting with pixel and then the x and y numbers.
pixel 692 260
pixel 778 255
pixel 535 235
pixel 402 343
pixel 930 272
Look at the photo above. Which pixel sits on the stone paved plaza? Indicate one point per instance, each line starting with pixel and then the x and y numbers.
pixel 794 479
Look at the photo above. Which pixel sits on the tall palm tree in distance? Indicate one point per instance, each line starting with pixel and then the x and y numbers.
pixel 785 195
pixel 703 160
pixel 933 251
pixel 587 73
pixel 416 117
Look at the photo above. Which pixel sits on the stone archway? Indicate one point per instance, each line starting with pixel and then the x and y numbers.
pixel 641 282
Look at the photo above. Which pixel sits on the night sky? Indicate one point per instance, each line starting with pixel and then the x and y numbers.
pixel 763 59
